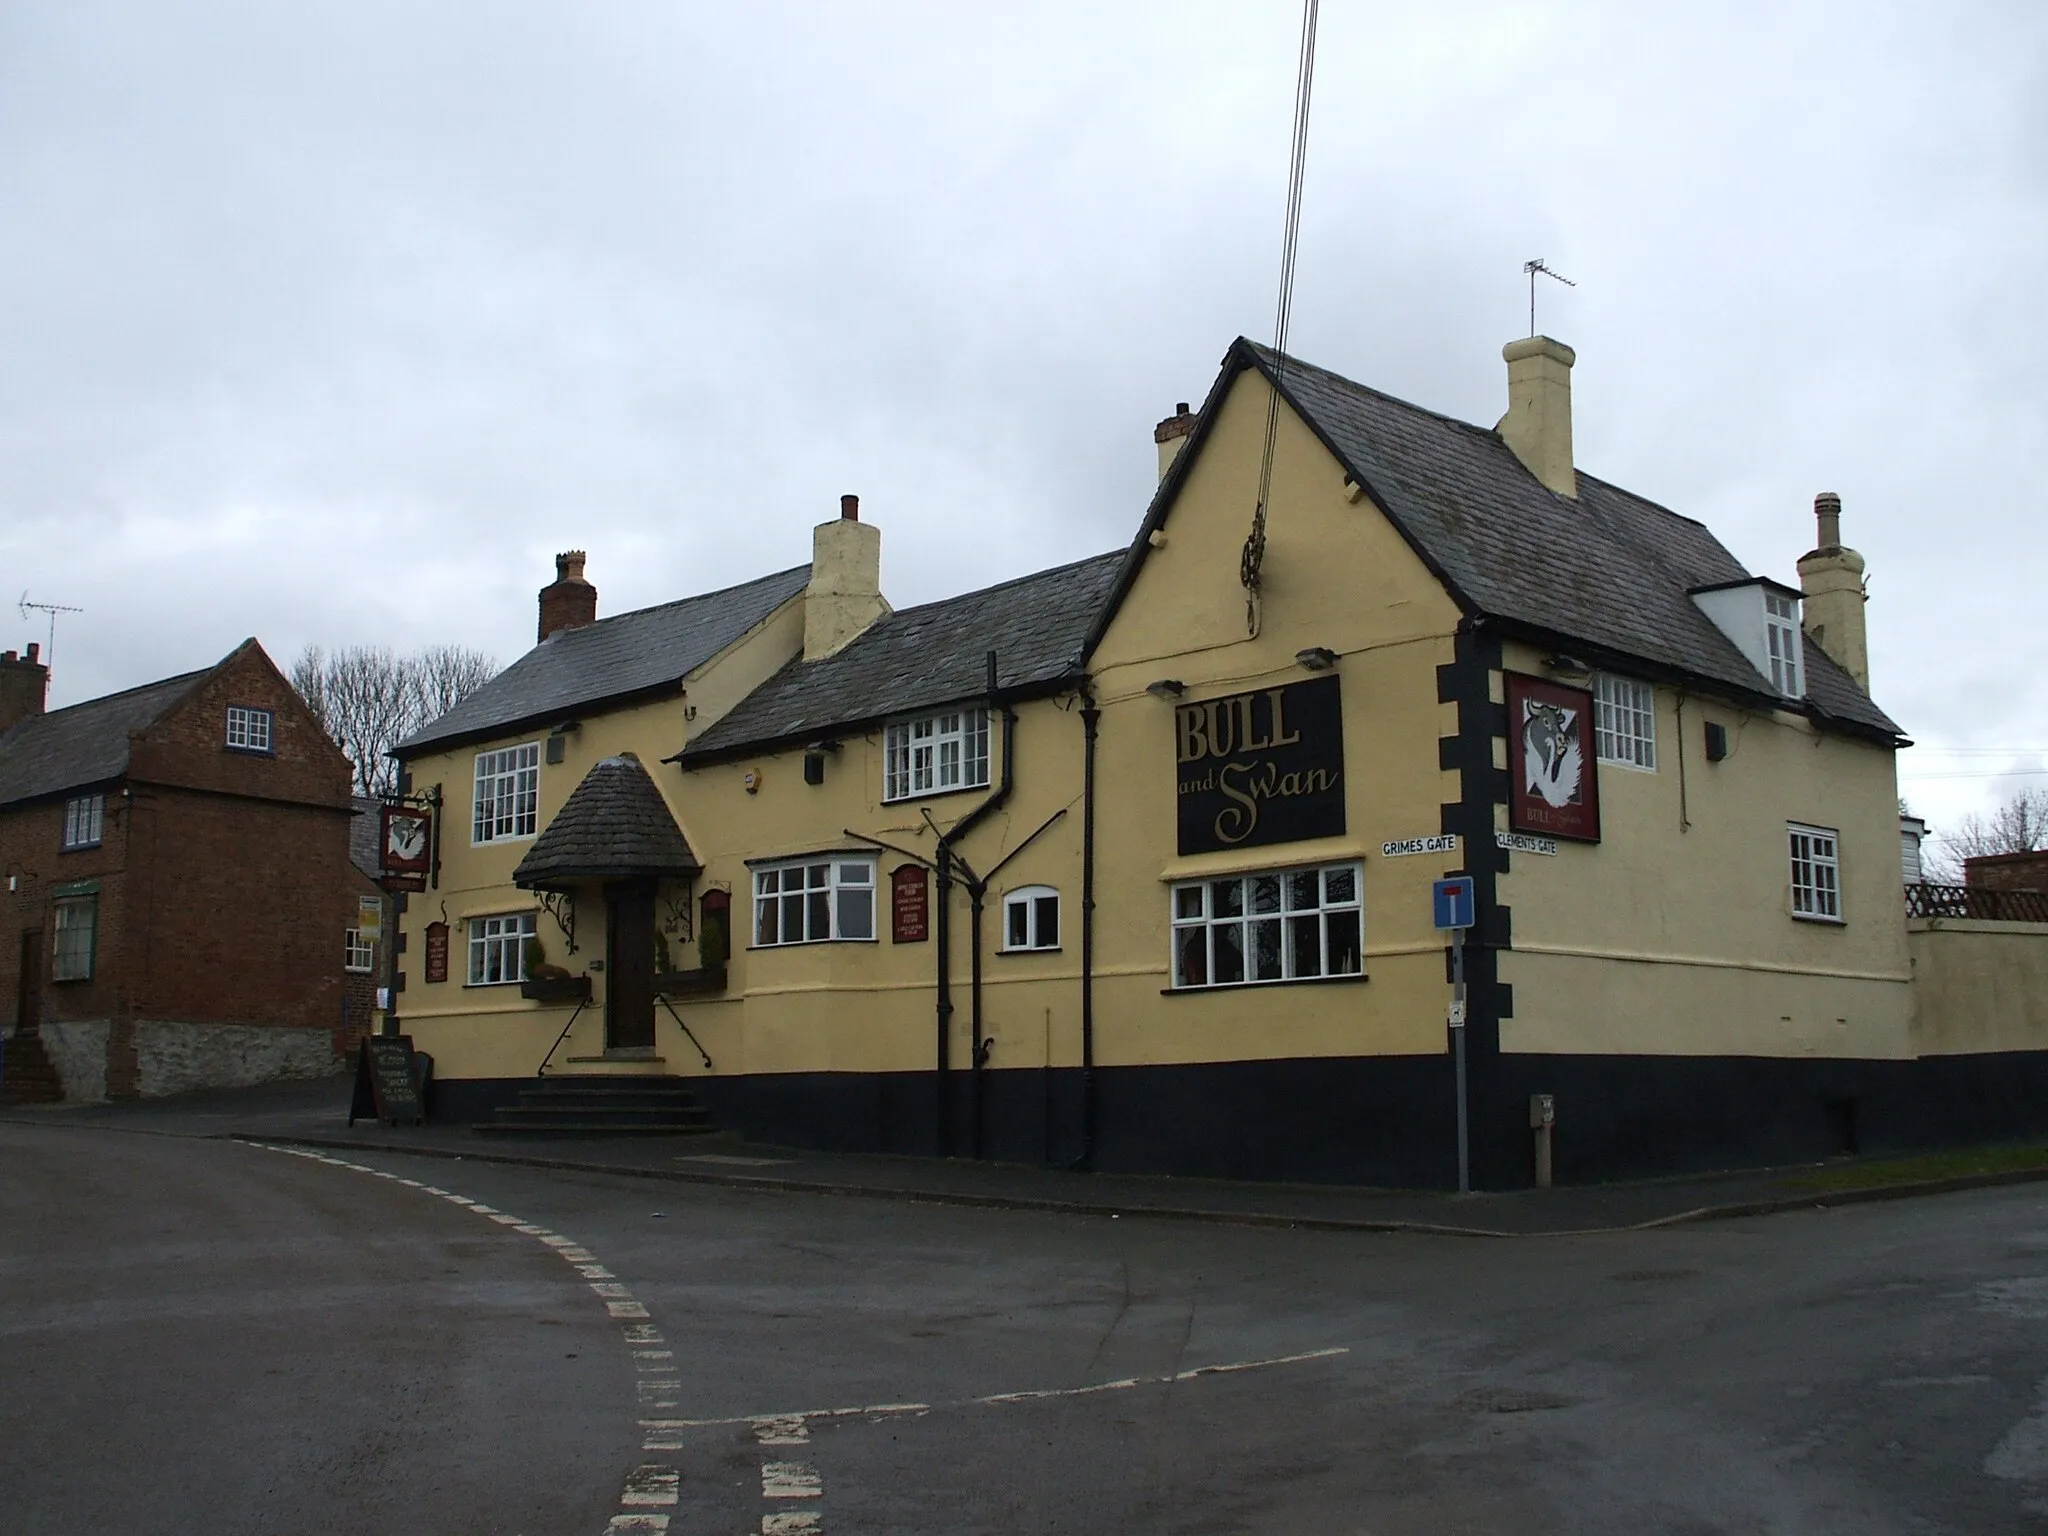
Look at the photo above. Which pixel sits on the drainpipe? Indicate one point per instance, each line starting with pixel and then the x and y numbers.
pixel 976 889
pixel 1091 724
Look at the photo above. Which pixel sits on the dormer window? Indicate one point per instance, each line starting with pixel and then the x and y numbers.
pixel 1781 634
pixel 1761 617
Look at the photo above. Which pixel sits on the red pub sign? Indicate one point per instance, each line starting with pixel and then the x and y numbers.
pixel 909 920
pixel 1553 781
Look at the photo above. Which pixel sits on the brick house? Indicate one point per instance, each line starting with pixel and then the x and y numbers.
pixel 175 884
pixel 363 950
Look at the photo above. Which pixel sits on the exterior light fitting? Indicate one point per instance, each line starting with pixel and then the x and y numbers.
pixel 1567 666
pixel 1317 658
pixel 1167 688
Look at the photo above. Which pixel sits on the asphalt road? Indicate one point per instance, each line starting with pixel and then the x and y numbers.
pixel 210 1337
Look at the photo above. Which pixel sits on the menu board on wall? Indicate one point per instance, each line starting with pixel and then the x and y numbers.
pixel 909 920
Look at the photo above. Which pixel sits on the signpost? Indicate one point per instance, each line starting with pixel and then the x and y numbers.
pixel 1456 904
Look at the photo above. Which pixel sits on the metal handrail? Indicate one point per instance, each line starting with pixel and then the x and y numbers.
pixel 542 1070
pixel 671 1007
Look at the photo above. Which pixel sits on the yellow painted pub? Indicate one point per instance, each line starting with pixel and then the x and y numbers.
pixel 1127 864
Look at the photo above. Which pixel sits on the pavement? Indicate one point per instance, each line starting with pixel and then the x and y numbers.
pixel 315 1114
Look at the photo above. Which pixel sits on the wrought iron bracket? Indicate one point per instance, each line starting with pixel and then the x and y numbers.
pixel 561 906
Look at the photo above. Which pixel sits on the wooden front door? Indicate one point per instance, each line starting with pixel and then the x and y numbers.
pixel 629 968
pixel 28 1004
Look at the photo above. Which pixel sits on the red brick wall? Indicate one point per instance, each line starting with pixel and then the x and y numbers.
pixel 2008 871
pixel 31 843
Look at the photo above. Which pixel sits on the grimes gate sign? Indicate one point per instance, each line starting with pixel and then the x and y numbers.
pixel 1260 767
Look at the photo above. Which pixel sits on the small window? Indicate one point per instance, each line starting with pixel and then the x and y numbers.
pixel 77 925
pixel 1625 721
pixel 1282 925
pixel 497 948
pixel 1816 873
pixel 357 952
pixel 248 729
pixel 1781 635
pixel 1031 918
pixel 82 818
pixel 507 793
pixel 937 753
pixel 814 901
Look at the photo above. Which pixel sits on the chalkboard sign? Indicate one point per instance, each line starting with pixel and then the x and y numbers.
pixel 387 1082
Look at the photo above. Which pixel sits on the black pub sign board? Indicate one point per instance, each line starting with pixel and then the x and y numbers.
pixel 387 1082
pixel 1260 767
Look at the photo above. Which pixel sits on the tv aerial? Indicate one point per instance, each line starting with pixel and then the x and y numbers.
pixel 1532 268
pixel 25 607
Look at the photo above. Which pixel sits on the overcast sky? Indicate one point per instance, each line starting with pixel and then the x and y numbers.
pixel 333 323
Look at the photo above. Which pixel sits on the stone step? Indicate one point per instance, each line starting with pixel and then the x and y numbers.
pixel 606 1127
pixel 652 1114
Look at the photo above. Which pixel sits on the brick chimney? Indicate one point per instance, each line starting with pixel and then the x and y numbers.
pixel 1831 576
pixel 1538 425
pixel 568 602
pixel 24 685
pixel 1172 435
pixel 845 592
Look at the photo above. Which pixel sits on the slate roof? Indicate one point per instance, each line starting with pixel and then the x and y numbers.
pixel 921 658
pixel 85 744
pixel 615 825
pixel 610 661
pixel 1609 571
pixel 363 829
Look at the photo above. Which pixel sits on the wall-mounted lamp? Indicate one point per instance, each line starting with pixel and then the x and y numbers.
pixel 1567 666
pixel 1167 688
pixel 1317 658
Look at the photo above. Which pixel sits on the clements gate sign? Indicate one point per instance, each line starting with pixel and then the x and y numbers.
pixel 1261 767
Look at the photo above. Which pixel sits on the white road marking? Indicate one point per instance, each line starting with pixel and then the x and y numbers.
pixel 782 1432
pixel 790 1480
pixel 625 1309
pixel 643 1333
pixel 594 1272
pixel 611 1290
pixel 646 1359
pixel 651 1487
pixel 636 1525
pixel 660 1394
pixel 796 1523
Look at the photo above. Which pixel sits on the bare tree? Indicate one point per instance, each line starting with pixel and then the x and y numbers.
pixel 369 698
pixel 2018 824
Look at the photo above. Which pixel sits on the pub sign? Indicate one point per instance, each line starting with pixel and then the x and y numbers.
pixel 908 923
pixel 1260 767
pixel 406 844
pixel 1553 785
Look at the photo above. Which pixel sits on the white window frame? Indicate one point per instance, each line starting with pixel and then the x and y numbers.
pixel 1625 722
pixel 507 805
pixel 84 818
pixel 1025 920
pixel 497 945
pixel 821 896
pixel 358 954
pixel 936 754
pixel 1816 872
pixel 74 944
pixel 1782 644
pixel 1197 923
pixel 251 729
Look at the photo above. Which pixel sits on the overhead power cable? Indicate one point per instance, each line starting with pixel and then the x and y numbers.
pixel 1254 556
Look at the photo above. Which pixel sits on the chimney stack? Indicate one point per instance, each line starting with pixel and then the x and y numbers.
pixel 1172 435
pixel 24 687
pixel 845 592
pixel 568 602
pixel 1831 577
pixel 1538 425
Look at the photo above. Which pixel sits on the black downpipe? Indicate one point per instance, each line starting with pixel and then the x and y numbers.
pixel 1091 724
pixel 976 889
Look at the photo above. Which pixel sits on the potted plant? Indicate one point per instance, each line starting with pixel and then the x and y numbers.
pixel 709 976
pixel 546 983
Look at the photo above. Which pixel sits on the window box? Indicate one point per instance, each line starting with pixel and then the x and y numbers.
pixel 698 983
pixel 556 989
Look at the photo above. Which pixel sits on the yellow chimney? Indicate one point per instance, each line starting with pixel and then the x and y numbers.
pixel 845 592
pixel 1538 425
pixel 1172 435
pixel 1831 577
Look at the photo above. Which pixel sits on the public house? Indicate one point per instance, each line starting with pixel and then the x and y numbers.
pixel 1128 863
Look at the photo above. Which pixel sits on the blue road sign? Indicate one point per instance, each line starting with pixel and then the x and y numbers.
pixel 1454 902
